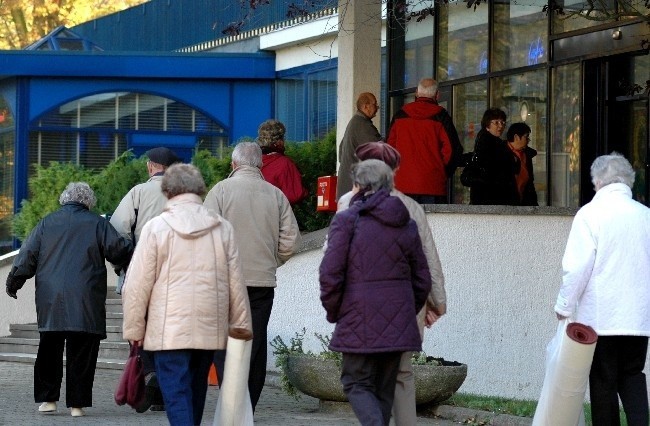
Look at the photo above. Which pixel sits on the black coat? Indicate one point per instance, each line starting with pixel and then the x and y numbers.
pixel 67 252
pixel 501 166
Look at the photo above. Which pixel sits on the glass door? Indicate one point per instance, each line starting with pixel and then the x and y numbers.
pixel 616 115
pixel 627 117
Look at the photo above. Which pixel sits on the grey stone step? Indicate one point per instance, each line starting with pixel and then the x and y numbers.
pixel 110 350
pixel 30 331
pixel 22 345
pixel 104 363
pixel 114 305
pixel 114 319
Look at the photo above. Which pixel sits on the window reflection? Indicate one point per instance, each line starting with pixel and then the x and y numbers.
pixel 520 34
pixel 580 14
pixel 418 51
pixel 470 102
pixel 523 98
pixel 463 41
pixel 565 136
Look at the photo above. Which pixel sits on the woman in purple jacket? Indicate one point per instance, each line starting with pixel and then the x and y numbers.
pixel 374 278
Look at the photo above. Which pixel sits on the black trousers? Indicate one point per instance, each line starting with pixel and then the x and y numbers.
pixel 261 300
pixel 81 350
pixel 369 383
pixel 617 371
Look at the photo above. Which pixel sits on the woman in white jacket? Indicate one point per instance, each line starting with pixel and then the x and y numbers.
pixel 184 293
pixel 606 285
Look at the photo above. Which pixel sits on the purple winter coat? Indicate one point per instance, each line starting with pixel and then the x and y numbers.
pixel 374 277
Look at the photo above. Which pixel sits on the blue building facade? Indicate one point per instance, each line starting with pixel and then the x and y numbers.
pixel 88 108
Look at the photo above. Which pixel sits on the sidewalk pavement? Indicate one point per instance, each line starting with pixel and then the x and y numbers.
pixel 274 408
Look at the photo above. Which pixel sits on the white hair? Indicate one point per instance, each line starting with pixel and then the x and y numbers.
pixel 613 168
pixel 372 175
pixel 427 88
pixel 78 192
pixel 247 154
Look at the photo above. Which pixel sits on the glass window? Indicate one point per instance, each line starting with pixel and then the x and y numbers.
pixel 290 106
pixel 416 29
pixel 565 136
pixel 580 14
pixel 94 130
pixel 306 104
pixel 463 41
pixel 520 34
pixel 470 102
pixel 322 103
pixel 523 98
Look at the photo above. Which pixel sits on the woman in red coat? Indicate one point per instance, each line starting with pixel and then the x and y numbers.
pixel 277 168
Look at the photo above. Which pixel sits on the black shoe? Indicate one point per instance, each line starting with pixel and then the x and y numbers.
pixel 150 390
pixel 157 407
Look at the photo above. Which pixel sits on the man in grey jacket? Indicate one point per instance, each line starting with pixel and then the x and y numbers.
pixel 359 130
pixel 142 203
pixel 267 235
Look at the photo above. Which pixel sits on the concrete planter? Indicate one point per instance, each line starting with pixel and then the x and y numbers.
pixel 321 378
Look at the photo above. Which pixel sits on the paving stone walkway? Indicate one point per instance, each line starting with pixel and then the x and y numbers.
pixel 274 408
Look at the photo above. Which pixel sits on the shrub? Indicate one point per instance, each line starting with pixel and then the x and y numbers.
pixel 313 159
pixel 114 181
pixel 212 169
pixel 45 188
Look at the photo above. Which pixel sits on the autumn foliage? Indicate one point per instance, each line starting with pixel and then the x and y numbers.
pixel 23 22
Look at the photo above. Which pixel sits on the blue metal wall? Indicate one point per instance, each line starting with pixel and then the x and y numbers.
pixel 166 25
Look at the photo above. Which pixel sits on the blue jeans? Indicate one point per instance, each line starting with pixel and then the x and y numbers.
pixel 183 379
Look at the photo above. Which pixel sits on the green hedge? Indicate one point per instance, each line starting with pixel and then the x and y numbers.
pixel 113 182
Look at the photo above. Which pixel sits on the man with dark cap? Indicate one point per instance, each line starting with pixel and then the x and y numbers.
pixel 436 305
pixel 142 203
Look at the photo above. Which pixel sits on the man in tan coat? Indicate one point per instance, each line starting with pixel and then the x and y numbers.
pixel 267 235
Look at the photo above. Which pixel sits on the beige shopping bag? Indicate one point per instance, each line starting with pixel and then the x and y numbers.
pixel 234 404
pixel 568 361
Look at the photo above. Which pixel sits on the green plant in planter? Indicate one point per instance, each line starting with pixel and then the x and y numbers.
pixel 282 351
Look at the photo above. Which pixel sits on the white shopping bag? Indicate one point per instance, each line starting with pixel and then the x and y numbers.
pixel 568 361
pixel 234 404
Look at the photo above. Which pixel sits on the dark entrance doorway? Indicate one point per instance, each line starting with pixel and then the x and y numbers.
pixel 615 117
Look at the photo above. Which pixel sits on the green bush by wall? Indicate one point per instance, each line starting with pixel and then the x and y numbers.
pixel 113 182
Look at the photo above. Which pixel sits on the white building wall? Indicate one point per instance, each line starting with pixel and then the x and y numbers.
pixel 502 276
pixel 502 273
pixel 20 311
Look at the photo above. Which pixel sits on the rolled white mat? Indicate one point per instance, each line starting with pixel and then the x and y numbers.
pixel 234 404
pixel 568 362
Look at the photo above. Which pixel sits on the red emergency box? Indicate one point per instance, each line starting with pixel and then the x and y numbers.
pixel 326 194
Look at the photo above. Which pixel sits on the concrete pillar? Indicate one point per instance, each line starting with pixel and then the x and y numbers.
pixel 359 60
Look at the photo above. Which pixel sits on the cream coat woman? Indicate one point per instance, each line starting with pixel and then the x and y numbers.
pixel 184 293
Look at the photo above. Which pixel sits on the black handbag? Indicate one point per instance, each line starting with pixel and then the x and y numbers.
pixel 473 173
